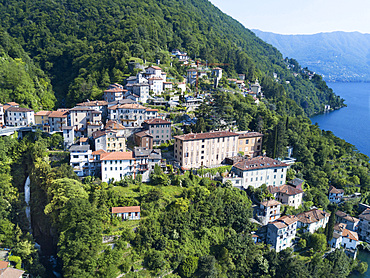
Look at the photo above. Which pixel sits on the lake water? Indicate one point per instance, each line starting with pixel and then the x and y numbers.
pixel 351 123
pixel 364 257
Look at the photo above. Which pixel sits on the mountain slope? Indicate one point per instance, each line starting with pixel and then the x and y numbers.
pixel 20 79
pixel 85 44
pixel 338 56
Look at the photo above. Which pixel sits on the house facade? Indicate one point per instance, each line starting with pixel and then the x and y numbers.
pixel 287 195
pixel 80 159
pixel 335 195
pixel 116 165
pixel 259 170
pixel 109 141
pixel 143 139
pixel 159 129
pixel 195 150
pixel 114 92
pixel 350 221
pixel 127 213
pixel 19 116
pixel 131 115
pixel 281 233
pixel 364 225
pixel 268 211
pixel 145 160
pixel 57 120
pixel 250 143
pixel 312 220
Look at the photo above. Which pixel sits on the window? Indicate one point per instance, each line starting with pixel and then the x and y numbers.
pixel 275 170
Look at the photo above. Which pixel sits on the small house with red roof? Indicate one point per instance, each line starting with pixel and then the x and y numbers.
pixel 335 195
pixel 287 195
pixel 345 238
pixel 312 220
pixel 127 213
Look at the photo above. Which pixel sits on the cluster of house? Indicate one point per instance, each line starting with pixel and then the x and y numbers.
pixel 280 231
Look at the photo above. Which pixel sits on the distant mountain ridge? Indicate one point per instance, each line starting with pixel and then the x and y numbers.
pixel 338 56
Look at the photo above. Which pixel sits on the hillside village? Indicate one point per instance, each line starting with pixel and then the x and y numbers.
pixel 144 125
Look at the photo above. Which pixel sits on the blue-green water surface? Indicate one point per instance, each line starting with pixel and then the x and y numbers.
pixel 351 123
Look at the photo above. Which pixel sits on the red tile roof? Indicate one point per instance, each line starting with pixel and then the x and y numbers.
pixel 284 221
pixel 365 214
pixel 58 114
pixel 346 216
pixel 93 103
pixel 156 121
pixel 3 264
pixel 18 109
pixel 154 67
pixel 207 135
pixel 259 162
pixel 311 216
pixel 155 78
pixel 333 190
pixel 99 152
pixel 114 125
pixel 143 134
pixel 285 189
pixel 12 103
pixel 249 135
pixel 151 109
pixel 117 156
pixel 42 113
pixel 350 234
pixel 270 203
pixel 125 209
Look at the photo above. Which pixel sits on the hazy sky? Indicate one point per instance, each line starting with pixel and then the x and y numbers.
pixel 298 16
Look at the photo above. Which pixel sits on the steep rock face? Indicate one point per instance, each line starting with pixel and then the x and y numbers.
pixel 42 230
pixel 85 44
pixel 338 56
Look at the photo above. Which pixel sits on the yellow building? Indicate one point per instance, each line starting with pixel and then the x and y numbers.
pixel 42 117
pixel 195 150
pixel 250 143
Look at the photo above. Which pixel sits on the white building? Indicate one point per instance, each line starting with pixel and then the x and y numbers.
pixel 281 233
pixel 335 195
pixel 287 195
pixel 156 84
pixel 114 92
pixel 350 221
pixel 364 226
pixel 57 120
pixel 2 122
pixel 116 165
pixel 312 220
pixel 257 171
pixel 68 136
pixel 345 238
pixel 145 160
pixel 268 211
pixel 131 114
pixel 80 158
pixel 19 116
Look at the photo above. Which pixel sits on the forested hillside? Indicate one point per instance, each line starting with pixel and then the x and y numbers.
pixel 84 45
pixel 20 79
pixel 339 56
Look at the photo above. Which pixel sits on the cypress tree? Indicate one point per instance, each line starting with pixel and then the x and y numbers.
pixel 329 229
